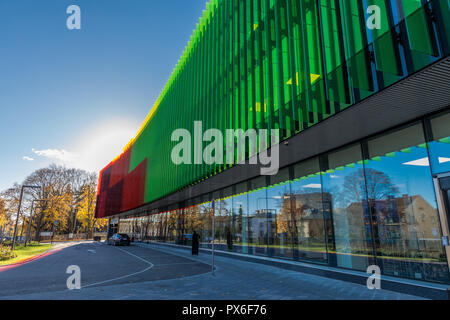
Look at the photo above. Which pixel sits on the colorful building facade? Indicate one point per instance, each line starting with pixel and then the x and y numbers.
pixel 359 93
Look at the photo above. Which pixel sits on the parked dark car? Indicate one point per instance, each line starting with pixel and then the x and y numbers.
pixel 119 239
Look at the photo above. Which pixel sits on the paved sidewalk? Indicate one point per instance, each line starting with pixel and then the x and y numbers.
pixel 234 280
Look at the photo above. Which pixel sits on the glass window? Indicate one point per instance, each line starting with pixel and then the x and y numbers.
pixel 218 221
pixel 172 226
pixel 403 206
pixel 345 201
pixel 418 29
pixel 440 146
pixel 180 225
pixel 151 232
pixel 306 224
pixel 257 217
pixel 223 222
pixel 205 233
pixel 187 225
pixel 278 216
pixel 161 227
pixel 239 224
pixel 195 222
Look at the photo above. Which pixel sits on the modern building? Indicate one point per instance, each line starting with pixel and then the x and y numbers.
pixel 360 93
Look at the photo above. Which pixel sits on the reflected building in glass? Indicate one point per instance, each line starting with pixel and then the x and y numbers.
pixel 364 119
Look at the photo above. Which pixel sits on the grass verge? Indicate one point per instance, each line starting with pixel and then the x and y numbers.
pixel 27 252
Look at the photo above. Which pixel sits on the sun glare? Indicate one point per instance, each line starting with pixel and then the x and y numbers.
pixel 105 142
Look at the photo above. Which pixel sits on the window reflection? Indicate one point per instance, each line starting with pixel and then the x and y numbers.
pixel 344 188
pixel 223 223
pixel 240 219
pixel 306 222
pixel 172 226
pixel 403 205
pixel 205 232
pixel 278 214
pixel 257 217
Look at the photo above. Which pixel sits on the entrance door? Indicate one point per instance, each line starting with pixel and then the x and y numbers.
pixel 442 186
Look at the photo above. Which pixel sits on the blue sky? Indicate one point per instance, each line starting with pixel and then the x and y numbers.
pixel 76 97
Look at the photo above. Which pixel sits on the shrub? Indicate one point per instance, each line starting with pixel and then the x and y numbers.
pixel 6 253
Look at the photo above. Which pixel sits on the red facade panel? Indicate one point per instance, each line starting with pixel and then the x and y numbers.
pixel 119 190
pixel 134 187
pixel 119 168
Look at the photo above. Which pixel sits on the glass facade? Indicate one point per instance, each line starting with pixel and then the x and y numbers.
pixel 369 203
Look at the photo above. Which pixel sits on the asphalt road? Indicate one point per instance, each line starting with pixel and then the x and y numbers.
pixel 100 265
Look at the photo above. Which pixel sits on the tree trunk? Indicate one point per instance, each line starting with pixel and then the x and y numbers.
pixel 38 228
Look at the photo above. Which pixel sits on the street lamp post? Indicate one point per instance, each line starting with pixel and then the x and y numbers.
pixel 29 222
pixel 18 212
pixel 213 234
